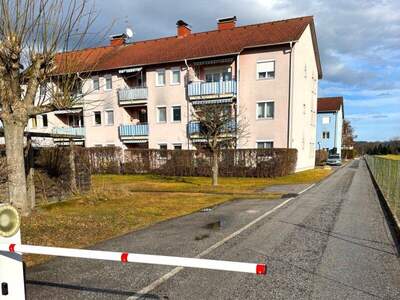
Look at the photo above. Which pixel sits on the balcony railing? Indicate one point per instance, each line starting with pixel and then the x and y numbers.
pixel 72 131
pixel 131 131
pixel 195 128
pixel 218 89
pixel 132 95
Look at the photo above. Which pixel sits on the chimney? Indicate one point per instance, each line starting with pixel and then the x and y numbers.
pixel 183 29
pixel 227 23
pixel 118 39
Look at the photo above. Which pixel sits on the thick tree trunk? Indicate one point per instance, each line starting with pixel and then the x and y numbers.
pixel 214 168
pixel 14 139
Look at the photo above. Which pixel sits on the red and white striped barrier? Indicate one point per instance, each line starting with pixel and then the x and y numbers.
pixel 125 257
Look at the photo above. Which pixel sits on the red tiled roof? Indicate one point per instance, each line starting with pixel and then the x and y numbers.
pixel 329 104
pixel 194 46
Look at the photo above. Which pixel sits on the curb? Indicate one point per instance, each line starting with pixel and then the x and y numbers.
pixel 393 222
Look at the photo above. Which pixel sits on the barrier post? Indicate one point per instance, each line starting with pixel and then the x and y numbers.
pixel 11 266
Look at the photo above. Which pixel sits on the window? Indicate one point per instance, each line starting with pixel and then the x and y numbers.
pixel 161 114
pixel 326 120
pixel 97 118
pixel 218 74
pixel 175 76
pixel 325 134
pixel 45 121
pixel 163 146
pixel 176 113
pixel 266 69
pixel 75 120
pixel 109 117
pixel 160 80
pixel 265 145
pixel 34 122
pixel 96 83
pixel 42 91
pixel 177 146
pixel 108 82
pixel 265 110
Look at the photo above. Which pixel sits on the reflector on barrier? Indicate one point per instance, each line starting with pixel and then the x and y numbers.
pixel 9 220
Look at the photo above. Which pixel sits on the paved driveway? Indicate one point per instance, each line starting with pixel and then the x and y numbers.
pixel 331 242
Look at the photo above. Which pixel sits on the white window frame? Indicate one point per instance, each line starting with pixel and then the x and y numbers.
pixel 172 113
pixel 264 141
pixel 177 144
pixel 94 118
pixel 172 76
pixel 106 117
pixel 158 114
pixel 98 80
pixel 325 136
pixel 265 61
pixel 324 118
pixel 266 118
pixel 157 77
pixel 105 85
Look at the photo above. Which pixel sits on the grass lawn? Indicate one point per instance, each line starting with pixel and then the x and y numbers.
pixel 391 156
pixel 118 204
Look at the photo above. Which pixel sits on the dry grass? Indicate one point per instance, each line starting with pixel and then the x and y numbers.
pixel 391 156
pixel 119 204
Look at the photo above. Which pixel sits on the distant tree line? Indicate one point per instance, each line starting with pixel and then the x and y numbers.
pixel 379 148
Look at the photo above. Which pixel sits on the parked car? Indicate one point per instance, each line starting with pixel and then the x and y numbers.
pixel 334 160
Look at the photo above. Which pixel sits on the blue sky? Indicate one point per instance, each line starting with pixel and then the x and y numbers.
pixel 358 40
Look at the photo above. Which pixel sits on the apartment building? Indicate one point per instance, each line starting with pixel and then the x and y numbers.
pixel 141 94
pixel 330 124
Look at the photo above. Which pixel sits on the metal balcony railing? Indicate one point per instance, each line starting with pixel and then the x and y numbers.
pixel 195 128
pixel 74 131
pixel 212 88
pixel 139 130
pixel 127 96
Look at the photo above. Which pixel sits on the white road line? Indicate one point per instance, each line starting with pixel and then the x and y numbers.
pixel 173 272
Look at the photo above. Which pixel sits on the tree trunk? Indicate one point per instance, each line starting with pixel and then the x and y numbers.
pixel 30 173
pixel 214 168
pixel 14 139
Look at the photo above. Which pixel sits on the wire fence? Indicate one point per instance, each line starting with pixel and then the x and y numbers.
pixel 387 175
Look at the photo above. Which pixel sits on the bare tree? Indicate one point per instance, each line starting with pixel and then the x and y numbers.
pixel 348 135
pixel 33 36
pixel 219 126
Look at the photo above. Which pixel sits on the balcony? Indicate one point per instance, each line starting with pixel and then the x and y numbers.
pixel 197 130
pixel 209 90
pixel 139 132
pixel 137 95
pixel 70 131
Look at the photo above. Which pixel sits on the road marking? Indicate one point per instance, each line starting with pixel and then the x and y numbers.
pixel 146 290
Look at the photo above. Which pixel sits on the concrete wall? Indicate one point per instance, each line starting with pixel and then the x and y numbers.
pixel 253 90
pixel 304 101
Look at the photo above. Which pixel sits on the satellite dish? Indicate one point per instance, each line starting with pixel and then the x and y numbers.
pixel 129 32
pixel 9 220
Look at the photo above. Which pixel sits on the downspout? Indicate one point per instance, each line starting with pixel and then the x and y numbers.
pixel 187 104
pixel 289 98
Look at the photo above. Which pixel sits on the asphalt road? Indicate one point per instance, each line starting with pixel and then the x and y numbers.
pixel 331 242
